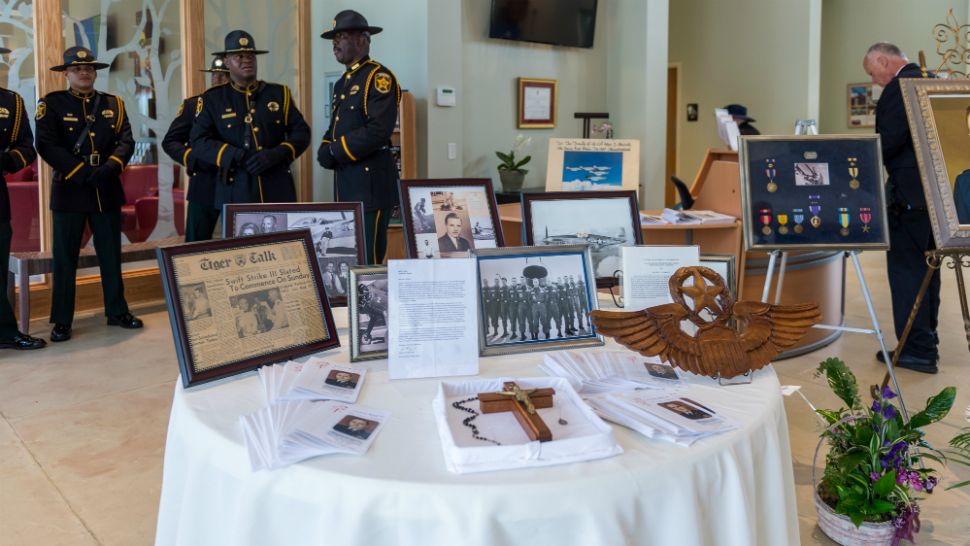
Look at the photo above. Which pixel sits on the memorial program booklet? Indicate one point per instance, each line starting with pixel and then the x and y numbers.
pixel 433 318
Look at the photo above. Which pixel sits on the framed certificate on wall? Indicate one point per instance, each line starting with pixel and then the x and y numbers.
pixel 537 103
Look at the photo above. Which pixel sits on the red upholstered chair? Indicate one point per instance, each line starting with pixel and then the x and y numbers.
pixel 26 174
pixel 25 221
pixel 146 209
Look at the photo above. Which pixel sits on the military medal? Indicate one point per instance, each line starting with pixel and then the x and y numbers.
pixel 815 208
pixel 798 215
pixel 771 171
pixel 782 223
pixel 854 173
pixel 844 221
pixel 766 220
pixel 865 214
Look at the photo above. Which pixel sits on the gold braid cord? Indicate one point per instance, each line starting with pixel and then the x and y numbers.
pixel 717 349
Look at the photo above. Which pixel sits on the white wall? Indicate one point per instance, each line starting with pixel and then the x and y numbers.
pixel 488 96
pixel 849 27
pixel 760 53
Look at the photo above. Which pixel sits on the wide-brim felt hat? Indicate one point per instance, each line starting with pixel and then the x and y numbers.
pixel 739 111
pixel 79 56
pixel 348 20
pixel 240 41
pixel 218 65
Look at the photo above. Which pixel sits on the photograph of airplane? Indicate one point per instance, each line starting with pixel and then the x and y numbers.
pixel 585 171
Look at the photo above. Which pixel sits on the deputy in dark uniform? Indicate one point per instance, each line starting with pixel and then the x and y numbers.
pixel 362 118
pixel 202 215
pixel 250 130
pixel 17 143
pixel 910 232
pixel 85 137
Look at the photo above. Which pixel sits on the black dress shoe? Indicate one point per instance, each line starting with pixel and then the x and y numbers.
pixel 23 342
pixel 917 364
pixel 61 332
pixel 881 358
pixel 126 320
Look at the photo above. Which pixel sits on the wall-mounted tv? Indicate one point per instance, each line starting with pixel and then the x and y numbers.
pixel 556 22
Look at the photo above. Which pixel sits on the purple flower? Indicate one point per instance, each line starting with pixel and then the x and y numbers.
pixel 876 406
pixel 930 484
pixel 874 476
pixel 888 393
pixel 889 412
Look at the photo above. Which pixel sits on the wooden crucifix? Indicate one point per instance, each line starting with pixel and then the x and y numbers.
pixel 523 405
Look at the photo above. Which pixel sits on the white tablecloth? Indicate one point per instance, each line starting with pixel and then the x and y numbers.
pixel 734 489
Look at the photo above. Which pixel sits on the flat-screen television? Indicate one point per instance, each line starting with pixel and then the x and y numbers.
pixel 557 22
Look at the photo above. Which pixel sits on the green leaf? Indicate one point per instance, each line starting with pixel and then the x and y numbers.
pixel 936 408
pixel 857 518
pixel 504 157
pixel 524 171
pixel 830 416
pixel 851 460
pixel 524 160
pixel 841 380
pixel 880 506
pixel 885 484
pixel 958 485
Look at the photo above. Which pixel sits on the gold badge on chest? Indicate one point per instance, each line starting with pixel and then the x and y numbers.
pixel 4 113
pixel 273 106
pixel 108 113
pixel 355 89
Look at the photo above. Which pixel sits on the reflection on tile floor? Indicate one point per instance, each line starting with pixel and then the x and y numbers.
pixel 83 423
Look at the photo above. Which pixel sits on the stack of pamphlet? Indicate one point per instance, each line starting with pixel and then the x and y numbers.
pixel 315 379
pixel 672 216
pixel 289 432
pixel 641 393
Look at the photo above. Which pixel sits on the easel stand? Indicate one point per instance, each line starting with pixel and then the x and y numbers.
pixel 875 330
pixel 934 260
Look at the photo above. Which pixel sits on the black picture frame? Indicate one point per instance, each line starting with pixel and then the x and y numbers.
pixel 580 216
pixel 822 192
pixel 250 269
pixel 336 284
pixel 419 224
pixel 357 306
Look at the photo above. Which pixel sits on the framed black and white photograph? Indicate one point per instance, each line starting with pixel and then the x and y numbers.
pixel 337 230
pixel 939 119
pixel 813 192
pixel 368 313
pixel 447 218
pixel 535 298
pixel 238 304
pixel 605 220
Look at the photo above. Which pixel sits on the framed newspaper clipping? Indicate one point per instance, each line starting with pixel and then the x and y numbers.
pixel 337 230
pixel 813 192
pixel 446 218
pixel 368 313
pixel 237 304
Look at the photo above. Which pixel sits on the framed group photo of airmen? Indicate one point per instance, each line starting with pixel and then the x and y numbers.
pixel 939 119
pixel 368 313
pixel 604 220
pixel 819 191
pixel 337 230
pixel 535 298
pixel 237 304
pixel 447 218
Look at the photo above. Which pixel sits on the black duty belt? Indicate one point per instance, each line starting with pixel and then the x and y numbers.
pixel 93 160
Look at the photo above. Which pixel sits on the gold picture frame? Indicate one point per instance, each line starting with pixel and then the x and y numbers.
pixel 938 111
pixel 537 103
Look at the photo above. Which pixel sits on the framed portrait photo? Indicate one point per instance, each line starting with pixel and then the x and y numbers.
pixel 939 119
pixel 592 164
pixel 237 304
pixel 337 230
pixel 447 218
pixel 813 192
pixel 535 298
pixel 861 105
pixel 368 313
pixel 724 265
pixel 537 103
pixel 604 220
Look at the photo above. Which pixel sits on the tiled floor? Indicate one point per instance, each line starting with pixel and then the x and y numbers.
pixel 83 423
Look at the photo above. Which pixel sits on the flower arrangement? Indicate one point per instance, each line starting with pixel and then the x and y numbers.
pixel 875 468
pixel 509 162
pixel 959 451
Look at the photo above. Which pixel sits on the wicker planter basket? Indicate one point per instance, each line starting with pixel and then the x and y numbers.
pixel 840 528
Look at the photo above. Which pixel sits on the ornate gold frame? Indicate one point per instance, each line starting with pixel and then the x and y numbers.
pixel 947 230
pixel 550 122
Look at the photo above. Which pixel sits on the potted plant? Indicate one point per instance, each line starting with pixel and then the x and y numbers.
pixel 959 451
pixel 510 171
pixel 875 468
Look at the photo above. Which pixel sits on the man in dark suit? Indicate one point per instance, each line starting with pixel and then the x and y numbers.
pixel 202 214
pixel 250 130
pixel 452 241
pixel 85 136
pixel 363 114
pixel 910 233
pixel 17 143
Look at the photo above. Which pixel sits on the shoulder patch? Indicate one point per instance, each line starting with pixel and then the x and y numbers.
pixel 198 107
pixel 41 110
pixel 180 110
pixel 382 82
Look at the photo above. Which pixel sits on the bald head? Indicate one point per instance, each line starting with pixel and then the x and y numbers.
pixel 882 61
